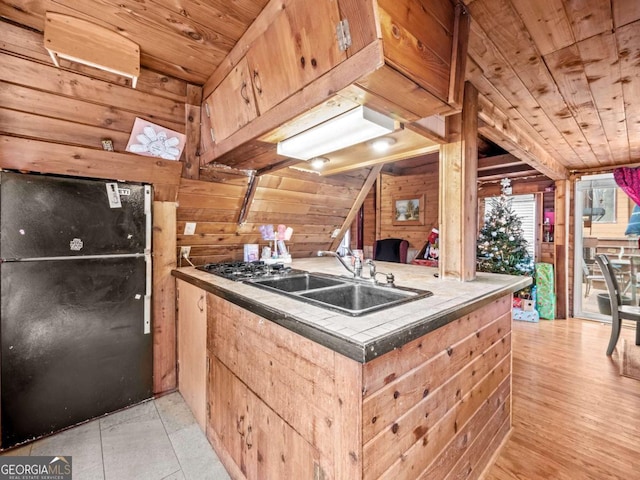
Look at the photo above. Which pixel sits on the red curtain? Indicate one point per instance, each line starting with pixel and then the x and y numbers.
pixel 628 179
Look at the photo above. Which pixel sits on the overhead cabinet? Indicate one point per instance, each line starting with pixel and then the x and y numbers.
pixel 232 105
pixel 403 58
pixel 296 48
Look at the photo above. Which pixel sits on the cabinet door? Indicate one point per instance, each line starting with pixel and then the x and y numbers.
pixel 228 412
pixel 298 47
pixel 192 349
pixel 231 105
pixel 261 443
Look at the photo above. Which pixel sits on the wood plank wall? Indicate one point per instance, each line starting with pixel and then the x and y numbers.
pixel 409 186
pixel 77 105
pixel 439 406
pixel 52 120
pixel 310 204
pixel 280 372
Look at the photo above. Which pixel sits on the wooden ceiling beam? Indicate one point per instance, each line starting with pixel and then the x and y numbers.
pixel 351 216
pixel 499 129
pixel 214 172
pixel 498 161
pixel 529 172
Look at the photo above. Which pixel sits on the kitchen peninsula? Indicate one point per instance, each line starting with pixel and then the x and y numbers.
pixel 291 390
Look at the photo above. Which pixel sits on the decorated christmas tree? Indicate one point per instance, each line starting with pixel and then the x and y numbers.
pixel 502 247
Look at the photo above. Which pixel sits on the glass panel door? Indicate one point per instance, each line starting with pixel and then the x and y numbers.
pixel 602 212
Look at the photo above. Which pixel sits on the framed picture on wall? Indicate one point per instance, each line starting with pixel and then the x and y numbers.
pixel 408 211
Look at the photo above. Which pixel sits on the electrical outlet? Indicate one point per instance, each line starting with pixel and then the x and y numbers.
pixel 185 251
pixel 189 228
pixel 335 233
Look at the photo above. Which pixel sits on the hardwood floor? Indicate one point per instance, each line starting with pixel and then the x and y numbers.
pixel 574 415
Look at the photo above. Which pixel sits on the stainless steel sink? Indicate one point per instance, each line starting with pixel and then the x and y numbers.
pixel 297 282
pixel 345 295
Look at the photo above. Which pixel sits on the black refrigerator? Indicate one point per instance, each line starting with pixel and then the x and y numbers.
pixel 75 320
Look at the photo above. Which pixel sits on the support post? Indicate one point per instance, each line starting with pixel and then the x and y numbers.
pixel 164 294
pixel 192 124
pixel 561 245
pixel 459 192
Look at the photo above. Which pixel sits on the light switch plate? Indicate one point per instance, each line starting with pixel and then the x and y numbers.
pixel 189 228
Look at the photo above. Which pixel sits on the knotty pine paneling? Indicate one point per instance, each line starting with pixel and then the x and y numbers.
pixel 283 370
pixel 404 187
pixel 310 204
pixel 438 403
pixel 58 105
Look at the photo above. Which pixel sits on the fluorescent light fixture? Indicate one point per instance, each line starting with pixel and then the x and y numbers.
pixel 350 128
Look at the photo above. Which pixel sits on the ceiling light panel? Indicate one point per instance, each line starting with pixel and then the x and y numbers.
pixel 350 128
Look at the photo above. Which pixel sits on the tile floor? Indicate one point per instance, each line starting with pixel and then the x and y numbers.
pixel 156 440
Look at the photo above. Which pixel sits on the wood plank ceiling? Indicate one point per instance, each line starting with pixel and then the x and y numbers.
pixel 559 80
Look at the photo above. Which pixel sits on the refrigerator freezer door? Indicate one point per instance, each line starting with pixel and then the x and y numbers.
pixel 44 216
pixel 73 345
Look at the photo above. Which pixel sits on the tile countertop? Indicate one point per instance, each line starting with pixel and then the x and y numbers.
pixel 368 336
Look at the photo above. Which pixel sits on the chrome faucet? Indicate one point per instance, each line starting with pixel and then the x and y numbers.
pixel 372 275
pixel 356 271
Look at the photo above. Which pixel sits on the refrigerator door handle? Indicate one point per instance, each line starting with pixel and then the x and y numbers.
pixel 147 296
pixel 147 257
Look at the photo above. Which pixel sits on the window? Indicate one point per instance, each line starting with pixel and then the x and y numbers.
pixel 599 199
pixel 524 207
pixel 344 247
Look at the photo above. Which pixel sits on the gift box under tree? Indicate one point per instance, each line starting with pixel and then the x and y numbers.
pixel 545 291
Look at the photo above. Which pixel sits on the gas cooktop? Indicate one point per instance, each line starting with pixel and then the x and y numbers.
pixel 246 270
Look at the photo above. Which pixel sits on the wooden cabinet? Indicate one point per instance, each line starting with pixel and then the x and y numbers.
pixel 192 348
pixel 298 46
pixel 406 59
pixel 259 442
pixel 232 105
pixel 266 405
pixel 425 44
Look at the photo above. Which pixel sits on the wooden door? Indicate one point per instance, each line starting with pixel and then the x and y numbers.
pixel 314 34
pixel 232 105
pixel 298 47
pixel 228 413
pixel 261 443
pixel 192 349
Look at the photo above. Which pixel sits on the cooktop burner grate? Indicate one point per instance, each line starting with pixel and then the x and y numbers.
pixel 244 270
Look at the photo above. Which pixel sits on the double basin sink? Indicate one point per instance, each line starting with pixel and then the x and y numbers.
pixel 351 296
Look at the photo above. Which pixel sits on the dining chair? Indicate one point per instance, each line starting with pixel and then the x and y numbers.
pixel 589 277
pixel 619 312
